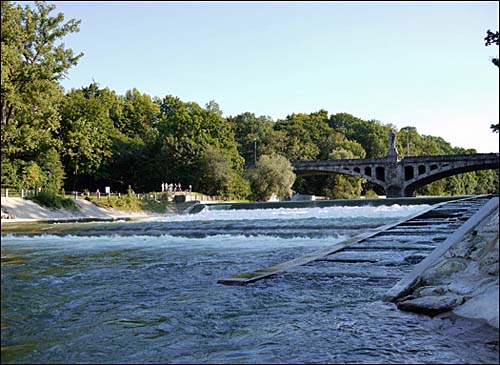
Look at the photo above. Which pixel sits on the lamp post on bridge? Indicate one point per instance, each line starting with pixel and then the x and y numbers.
pixel 255 151
pixel 408 142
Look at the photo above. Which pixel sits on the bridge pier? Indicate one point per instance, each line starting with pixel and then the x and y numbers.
pixel 399 192
pixel 394 192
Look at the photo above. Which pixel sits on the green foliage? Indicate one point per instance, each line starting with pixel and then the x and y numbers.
pixel 273 174
pixel 191 139
pixel 52 170
pixel 85 132
pixel 32 176
pixel 342 186
pixel 10 173
pixel 219 178
pixel 136 115
pixel 372 135
pixel 51 199
pixel 92 137
pixel 256 136
pixel 308 136
pixel 33 61
pixel 127 203
pixel 370 194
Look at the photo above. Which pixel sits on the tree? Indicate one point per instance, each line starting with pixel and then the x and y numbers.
pixel 256 136
pixel 340 186
pixel 273 174
pixel 85 131
pixel 309 136
pixel 188 136
pixel 31 66
pixel 52 170
pixel 31 62
pixel 219 178
pixel 372 134
pixel 492 38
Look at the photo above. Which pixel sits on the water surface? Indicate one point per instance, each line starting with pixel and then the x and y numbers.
pixel 146 292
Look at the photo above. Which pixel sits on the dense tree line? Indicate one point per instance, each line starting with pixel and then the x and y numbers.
pixel 91 137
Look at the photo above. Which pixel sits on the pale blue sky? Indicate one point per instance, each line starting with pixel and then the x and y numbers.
pixel 422 64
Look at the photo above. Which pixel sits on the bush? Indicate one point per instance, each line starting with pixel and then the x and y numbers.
pixel 273 174
pixel 127 202
pixel 50 199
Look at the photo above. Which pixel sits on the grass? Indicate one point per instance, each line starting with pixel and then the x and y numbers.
pixel 50 199
pixel 130 203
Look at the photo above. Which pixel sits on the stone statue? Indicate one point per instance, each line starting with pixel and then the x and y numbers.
pixel 393 152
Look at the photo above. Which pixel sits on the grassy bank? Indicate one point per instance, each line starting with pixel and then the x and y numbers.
pixel 130 203
pixel 50 199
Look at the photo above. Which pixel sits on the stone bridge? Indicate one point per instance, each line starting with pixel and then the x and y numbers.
pixel 400 177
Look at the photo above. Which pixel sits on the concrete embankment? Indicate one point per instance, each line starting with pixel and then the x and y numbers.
pixel 463 280
pixel 28 211
pixel 326 203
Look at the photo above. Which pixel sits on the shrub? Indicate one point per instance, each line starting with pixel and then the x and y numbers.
pixel 273 174
pixel 50 199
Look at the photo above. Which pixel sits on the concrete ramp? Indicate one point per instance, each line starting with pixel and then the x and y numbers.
pixel 433 226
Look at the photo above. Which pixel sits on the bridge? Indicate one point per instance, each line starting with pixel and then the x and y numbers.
pixel 400 176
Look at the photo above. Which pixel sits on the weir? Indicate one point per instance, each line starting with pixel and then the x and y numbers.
pixel 438 223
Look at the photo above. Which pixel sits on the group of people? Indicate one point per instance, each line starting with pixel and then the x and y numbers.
pixel 6 215
pixel 173 187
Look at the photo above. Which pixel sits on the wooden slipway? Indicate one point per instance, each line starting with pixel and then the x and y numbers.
pixel 433 225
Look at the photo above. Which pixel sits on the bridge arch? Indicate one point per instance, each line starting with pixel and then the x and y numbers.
pixel 439 173
pixel 356 172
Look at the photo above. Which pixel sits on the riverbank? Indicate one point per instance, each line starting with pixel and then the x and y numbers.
pixel 464 282
pixel 28 211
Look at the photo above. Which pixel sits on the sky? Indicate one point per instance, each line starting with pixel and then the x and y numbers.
pixel 420 64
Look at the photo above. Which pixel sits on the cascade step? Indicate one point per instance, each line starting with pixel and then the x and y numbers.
pixel 381 248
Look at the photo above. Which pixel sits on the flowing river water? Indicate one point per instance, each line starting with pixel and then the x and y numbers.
pixel 146 292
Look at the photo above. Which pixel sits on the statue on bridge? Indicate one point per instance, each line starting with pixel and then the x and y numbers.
pixel 393 152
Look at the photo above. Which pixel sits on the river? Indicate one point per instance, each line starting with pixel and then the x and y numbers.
pixel 146 292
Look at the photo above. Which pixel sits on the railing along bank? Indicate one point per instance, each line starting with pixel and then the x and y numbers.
pixel 157 196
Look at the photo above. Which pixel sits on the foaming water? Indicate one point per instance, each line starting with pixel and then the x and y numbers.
pixel 319 223
pixel 146 292
pixel 72 242
pixel 296 213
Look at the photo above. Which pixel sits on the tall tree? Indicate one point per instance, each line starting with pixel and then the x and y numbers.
pixel 193 138
pixel 256 136
pixel 86 129
pixel 32 64
pixel 273 174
